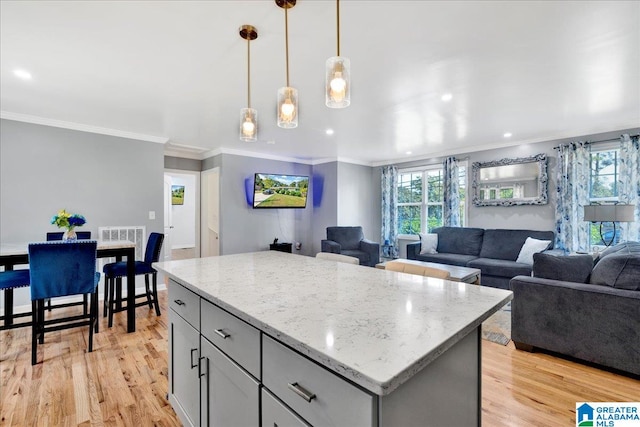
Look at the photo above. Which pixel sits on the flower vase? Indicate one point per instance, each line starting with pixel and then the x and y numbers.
pixel 70 236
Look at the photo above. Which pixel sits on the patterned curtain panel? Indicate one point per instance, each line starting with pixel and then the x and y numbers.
pixel 389 231
pixel 572 232
pixel 451 196
pixel 629 185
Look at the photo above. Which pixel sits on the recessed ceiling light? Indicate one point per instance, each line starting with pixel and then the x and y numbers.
pixel 408 152
pixel 447 97
pixel 23 74
pixel 507 135
pixel 271 142
pixel 329 131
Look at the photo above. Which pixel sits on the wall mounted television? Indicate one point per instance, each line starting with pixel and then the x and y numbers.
pixel 273 191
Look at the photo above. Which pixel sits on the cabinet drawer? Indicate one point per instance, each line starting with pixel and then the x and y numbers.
pixel 239 340
pixel 275 413
pixel 330 400
pixel 185 303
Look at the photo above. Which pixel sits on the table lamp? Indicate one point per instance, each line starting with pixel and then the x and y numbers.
pixel 608 213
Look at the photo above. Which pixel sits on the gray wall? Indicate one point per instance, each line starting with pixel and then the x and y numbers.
pixel 324 202
pixel 244 229
pixel 359 199
pixel 109 180
pixel 180 163
pixel 339 194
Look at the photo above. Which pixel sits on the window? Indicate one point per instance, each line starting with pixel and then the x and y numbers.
pixel 603 188
pixel 420 199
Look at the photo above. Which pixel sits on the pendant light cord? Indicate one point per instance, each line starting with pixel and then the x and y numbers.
pixel 338 22
pixel 249 72
pixel 286 40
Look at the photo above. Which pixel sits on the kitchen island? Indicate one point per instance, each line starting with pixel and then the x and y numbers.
pixel 270 338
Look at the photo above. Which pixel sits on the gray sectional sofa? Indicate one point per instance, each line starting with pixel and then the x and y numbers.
pixel 494 252
pixel 580 310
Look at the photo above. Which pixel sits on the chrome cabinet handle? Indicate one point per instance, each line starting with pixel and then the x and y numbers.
pixel 193 365
pixel 301 391
pixel 222 333
pixel 200 373
pixel 179 301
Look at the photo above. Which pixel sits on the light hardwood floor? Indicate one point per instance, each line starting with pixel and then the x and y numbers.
pixel 124 381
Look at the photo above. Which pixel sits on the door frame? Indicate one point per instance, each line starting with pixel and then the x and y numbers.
pixel 203 176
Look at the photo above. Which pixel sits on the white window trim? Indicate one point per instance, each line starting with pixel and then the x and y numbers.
pixel 424 203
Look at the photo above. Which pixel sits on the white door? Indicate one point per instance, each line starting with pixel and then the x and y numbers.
pixel 210 215
pixel 167 218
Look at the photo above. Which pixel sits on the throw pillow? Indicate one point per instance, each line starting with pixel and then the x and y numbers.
pixel 428 243
pixel 618 271
pixel 530 247
pixel 574 268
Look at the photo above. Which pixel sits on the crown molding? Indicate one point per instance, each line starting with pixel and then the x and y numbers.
pixel 8 115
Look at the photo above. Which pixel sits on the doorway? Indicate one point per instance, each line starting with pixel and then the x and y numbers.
pixel 182 214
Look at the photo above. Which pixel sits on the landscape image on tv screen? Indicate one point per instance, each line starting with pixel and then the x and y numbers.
pixel 279 191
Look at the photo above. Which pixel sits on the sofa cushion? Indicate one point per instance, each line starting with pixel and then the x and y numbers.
pixel 626 247
pixel 459 240
pixel 449 259
pixel 574 268
pixel 348 237
pixel 500 267
pixel 531 246
pixel 506 244
pixel 428 243
pixel 618 270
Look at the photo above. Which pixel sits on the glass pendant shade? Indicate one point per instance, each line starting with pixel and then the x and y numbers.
pixel 249 124
pixel 338 82
pixel 287 107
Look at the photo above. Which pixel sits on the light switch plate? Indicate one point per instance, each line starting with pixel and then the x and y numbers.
pixel 152 214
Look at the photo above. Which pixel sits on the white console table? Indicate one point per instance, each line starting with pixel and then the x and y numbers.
pixel 315 342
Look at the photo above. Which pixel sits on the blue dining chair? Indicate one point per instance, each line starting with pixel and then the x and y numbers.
pixel 60 269
pixel 54 236
pixel 115 271
pixel 9 280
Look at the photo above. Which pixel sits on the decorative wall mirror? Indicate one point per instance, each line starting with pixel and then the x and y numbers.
pixel 510 182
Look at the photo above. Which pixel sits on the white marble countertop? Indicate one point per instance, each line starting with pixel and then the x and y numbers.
pixel 375 327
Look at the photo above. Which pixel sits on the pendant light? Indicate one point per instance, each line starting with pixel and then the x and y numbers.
pixel 287 96
pixel 248 116
pixel 338 75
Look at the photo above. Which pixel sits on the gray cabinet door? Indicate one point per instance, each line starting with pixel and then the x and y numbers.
pixel 183 375
pixel 230 396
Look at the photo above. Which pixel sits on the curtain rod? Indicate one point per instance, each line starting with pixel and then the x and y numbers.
pixel 603 140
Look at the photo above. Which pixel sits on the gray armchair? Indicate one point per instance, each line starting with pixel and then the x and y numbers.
pixel 350 241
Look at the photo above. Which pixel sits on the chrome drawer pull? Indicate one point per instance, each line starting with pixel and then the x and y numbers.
pixel 222 333
pixel 179 302
pixel 194 365
pixel 301 391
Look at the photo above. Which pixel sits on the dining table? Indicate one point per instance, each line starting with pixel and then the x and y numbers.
pixel 13 254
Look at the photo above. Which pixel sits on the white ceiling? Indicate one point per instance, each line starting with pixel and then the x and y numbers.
pixel 176 72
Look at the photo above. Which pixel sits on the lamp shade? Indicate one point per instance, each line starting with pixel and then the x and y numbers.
pixel 338 82
pixel 248 125
pixel 609 213
pixel 287 107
